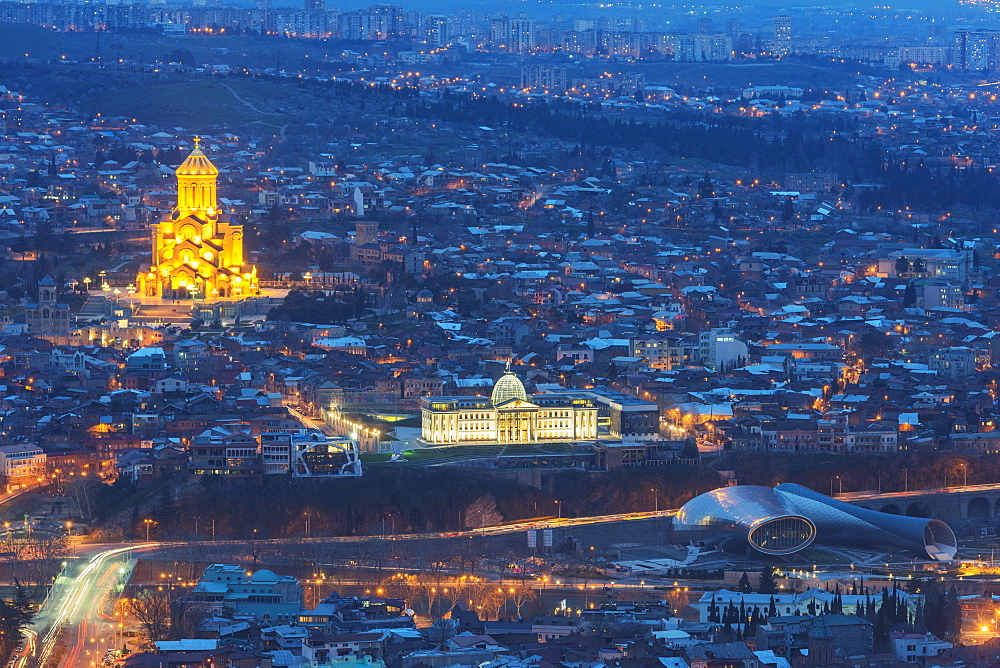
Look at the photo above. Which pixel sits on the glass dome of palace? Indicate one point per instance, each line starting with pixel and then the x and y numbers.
pixel 508 387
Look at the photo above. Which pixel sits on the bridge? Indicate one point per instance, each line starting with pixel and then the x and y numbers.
pixel 978 504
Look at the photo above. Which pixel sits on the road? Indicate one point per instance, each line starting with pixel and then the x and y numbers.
pixel 955 489
pixel 310 423
pixel 78 599
pixel 75 606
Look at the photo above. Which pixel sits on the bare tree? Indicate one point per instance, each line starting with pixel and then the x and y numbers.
pixel 522 595
pixel 186 617
pixel 152 609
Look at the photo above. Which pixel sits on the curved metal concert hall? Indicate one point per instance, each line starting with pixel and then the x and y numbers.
pixel 789 517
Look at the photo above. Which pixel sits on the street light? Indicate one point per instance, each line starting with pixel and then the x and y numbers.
pixel 147 522
pixel 656 500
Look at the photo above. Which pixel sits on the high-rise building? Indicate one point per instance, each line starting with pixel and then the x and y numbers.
pixel 436 30
pixel 314 5
pixel 699 48
pixel 522 35
pixel 937 33
pixel 983 47
pixel 705 25
pixel 961 53
pixel 384 20
pixel 197 249
pixel 376 22
pixel 552 78
pixel 500 33
pixel 782 44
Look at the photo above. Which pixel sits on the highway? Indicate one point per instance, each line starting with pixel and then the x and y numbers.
pixel 74 609
pixel 77 613
pixel 956 489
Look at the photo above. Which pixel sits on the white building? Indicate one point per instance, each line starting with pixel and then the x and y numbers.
pixel 509 415
pixel 916 647
pixel 347 344
pixel 938 263
pixel 312 455
pixel 800 603
pixel 229 589
pixel 719 348
pixel 21 462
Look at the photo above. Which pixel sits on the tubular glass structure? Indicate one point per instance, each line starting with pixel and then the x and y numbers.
pixel 789 517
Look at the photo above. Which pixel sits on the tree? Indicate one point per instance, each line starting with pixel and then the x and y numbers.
pixel 910 295
pixel 767 585
pixel 713 612
pixel 902 265
pixel 873 344
pixel 182 57
pixel 15 614
pixel 787 211
pixel 935 609
pixel 521 596
pixel 744 584
pixel 952 617
pixel 152 609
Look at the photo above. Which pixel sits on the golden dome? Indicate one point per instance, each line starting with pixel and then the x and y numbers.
pixel 197 164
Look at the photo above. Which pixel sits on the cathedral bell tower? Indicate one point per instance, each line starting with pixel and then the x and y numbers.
pixel 196 185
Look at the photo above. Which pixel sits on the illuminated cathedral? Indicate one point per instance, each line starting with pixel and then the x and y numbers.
pixel 197 249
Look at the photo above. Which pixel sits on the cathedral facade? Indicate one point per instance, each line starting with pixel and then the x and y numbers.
pixel 47 315
pixel 197 249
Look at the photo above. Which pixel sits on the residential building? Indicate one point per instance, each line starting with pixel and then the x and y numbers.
pixel 229 589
